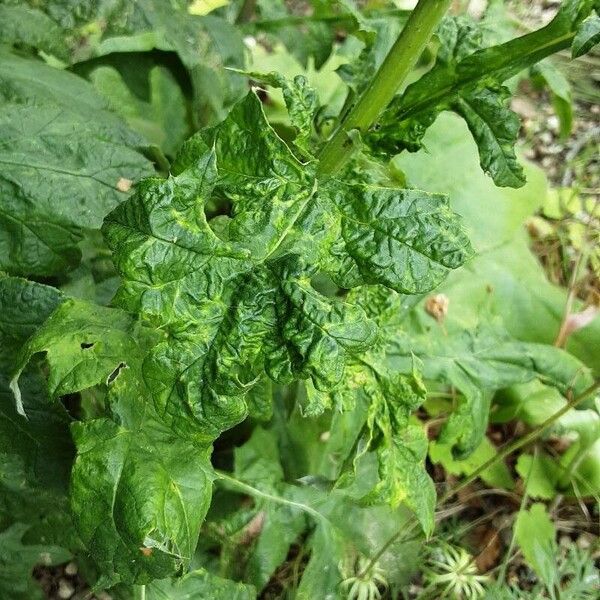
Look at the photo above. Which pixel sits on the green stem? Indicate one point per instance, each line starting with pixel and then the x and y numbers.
pixel 252 491
pixel 501 455
pixel 139 592
pixel 400 60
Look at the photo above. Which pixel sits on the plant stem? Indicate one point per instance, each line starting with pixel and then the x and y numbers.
pixel 252 491
pixel 501 455
pixel 139 592
pixel 400 60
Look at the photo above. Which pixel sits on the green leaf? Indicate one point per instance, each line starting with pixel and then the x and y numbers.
pixel 301 102
pixel 137 505
pixel 162 119
pixel 139 491
pixel 25 26
pixel 257 461
pixel 535 534
pixel 497 475
pixel 560 89
pixel 205 44
pixel 540 475
pixel 587 37
pixel 84 345
pixel 401 448
pixel 495 129
pixel 406 240
pixel 478 363
pixel 35 453
pixel 18 559
pixel 467 79
pixel 505 279
pixel 62 170
pixel 233 293
pixel 199 585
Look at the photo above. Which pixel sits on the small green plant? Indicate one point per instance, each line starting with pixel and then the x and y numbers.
pixel 451 572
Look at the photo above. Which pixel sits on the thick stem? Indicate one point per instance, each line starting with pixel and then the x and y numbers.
pixel 139 592
pixel 400 60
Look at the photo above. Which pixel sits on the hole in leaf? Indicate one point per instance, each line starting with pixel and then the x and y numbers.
pixel 86 345
pixel 115 373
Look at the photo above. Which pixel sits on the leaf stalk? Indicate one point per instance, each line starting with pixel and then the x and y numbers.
pixel 399 62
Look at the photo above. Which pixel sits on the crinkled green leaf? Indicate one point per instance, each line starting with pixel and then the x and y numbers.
pixel 301 102
pixel 495 129
pixel 587 37
pixel 141 482
pixel 406 240
pixel 233 292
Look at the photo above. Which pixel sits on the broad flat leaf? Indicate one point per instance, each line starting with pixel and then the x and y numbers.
pixel 32 82
pixel 535 534
pixel 205 44
pixel 539 474
pixel 162 119
pixel 199 585
pixel 467 79
pixel 587 37
pixel 505 279
pixel 497 475
pixel 29 27
pixel 17 560
pixel 61 168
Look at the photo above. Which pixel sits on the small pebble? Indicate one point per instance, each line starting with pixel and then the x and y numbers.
pixel 553 123
pixel 103 596
pixel 71 569
pixel 65 589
